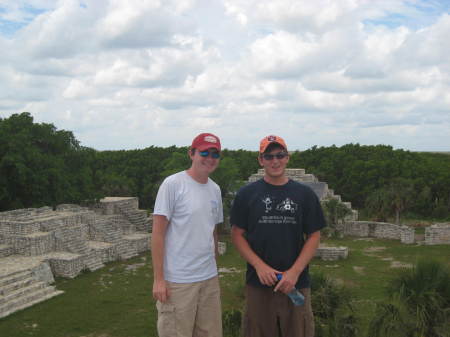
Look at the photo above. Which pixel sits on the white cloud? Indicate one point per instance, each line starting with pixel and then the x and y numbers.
pixel 130 74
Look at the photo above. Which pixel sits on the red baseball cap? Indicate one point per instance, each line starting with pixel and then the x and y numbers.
pixel 266 141
pixel 206 141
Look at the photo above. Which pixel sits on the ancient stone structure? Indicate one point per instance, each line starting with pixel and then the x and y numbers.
pixel 38 244
pixel 320 188
pixel 378 230
pixel 438 234
pixel 331 253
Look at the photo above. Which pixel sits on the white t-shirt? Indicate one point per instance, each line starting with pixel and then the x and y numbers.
pixel 193 210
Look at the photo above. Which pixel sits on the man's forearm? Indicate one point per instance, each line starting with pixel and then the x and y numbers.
pixel 308 251
pixel 158 238
pixel 158 257
pixel 216 243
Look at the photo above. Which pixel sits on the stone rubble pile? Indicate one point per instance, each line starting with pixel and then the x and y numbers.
pixel 66 242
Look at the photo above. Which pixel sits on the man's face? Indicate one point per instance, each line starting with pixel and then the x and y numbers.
pixel 274 162
pixel 205 161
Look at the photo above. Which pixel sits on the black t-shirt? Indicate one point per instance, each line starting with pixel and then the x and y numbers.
pixel 276 220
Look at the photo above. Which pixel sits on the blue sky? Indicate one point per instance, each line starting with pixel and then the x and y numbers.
pixel 124 75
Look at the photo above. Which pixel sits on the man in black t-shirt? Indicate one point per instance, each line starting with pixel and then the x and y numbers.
pixel 276 226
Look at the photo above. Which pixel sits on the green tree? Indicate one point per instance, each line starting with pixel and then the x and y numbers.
pixel 39 165
pixel 335 211
pixel 401 194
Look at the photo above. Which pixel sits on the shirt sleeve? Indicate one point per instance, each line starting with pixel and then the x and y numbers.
pixel 313 217
pixel 239 212
pixel 165 199
pixel 220 213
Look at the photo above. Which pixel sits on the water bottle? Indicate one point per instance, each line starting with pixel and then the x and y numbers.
pixel 296 296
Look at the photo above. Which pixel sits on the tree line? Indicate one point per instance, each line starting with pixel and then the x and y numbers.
pixel 40 165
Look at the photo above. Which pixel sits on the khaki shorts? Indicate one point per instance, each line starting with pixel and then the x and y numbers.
pixel 192 310
pixel 265 310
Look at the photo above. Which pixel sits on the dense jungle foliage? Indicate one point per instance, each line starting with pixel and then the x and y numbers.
pixel 40 165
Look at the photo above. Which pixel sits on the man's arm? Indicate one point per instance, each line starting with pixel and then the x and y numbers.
pixel 216 242
pixel 159 228
pixel 291 275
pixel 266 274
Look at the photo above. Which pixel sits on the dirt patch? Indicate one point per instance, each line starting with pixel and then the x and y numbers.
pixel 419 237
pixel 374 249
pixel 133 267
pixel 398 264
pixel 332 266
pixel 229 270
pixel 359 270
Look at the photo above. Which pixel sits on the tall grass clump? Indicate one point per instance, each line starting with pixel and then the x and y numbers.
pixel 332 306
pixel 418 306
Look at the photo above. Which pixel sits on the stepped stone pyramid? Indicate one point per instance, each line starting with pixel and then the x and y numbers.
pixel 38 244
pixel 320 188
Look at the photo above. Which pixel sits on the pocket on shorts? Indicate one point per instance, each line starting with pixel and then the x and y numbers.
pixel 166 319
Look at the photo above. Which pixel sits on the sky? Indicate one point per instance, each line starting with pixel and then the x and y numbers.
pixel 133 74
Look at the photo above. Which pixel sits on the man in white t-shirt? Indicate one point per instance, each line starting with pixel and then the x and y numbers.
pixel 184 246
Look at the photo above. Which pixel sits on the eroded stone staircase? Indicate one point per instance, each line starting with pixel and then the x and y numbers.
pixel 21 289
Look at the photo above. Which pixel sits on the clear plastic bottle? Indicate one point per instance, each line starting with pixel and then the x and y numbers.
pixel 296 296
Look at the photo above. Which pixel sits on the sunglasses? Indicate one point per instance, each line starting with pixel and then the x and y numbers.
pixel 206 153
pixel 279 155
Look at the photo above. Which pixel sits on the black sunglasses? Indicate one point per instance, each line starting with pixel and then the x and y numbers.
pixel 279 155
pixel 206 153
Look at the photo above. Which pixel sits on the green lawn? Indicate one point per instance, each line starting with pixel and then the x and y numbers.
pixel 116 300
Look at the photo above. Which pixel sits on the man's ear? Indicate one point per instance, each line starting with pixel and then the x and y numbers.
pixel 260 160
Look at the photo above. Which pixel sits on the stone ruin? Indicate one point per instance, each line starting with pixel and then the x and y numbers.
pixel 331 253
pixel 438 234
pixel 38 244
pixel 381 230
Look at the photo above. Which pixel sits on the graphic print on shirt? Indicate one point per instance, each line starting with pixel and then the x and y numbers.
pixel 268 202
pixel 287 205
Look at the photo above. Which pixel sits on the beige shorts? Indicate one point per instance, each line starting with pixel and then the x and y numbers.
pixel 192 310
pixel 268 312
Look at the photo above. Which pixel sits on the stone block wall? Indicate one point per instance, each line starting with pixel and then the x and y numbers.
pixel 8 227
pixel 438 234
pixel 73 238
pixel 332 253
pixel 38 243
pixel 110 205
pixel 66 265
pixel 381 230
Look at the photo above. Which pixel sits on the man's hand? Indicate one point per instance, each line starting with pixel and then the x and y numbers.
pixel 287 283
pixel 160 291
pixel 266 274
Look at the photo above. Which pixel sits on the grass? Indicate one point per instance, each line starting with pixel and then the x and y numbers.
pixel 116 301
